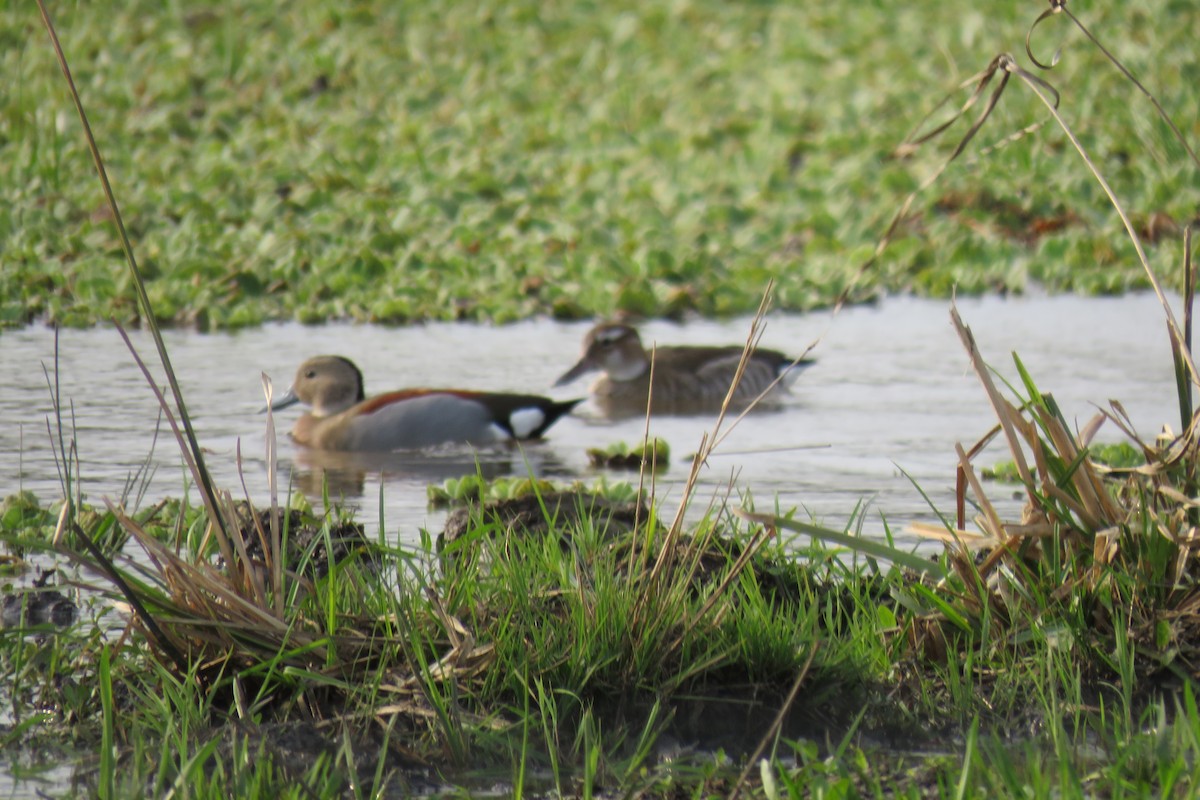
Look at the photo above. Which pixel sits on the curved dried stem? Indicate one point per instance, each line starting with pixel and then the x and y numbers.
pixel 1055 7
pixel 1178 340
pixel 981 80
pixel 1060 7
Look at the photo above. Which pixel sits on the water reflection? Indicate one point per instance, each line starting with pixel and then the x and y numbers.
pixel 344 475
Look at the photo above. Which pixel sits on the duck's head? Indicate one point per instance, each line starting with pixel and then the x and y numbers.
pixel 327 384
pixel 612 348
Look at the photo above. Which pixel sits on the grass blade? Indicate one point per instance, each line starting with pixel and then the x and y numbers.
pixel 870 547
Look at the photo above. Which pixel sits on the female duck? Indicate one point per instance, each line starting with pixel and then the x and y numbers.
pixel 343 418
pixel 687 380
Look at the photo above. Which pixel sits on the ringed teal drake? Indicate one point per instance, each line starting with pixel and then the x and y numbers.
pixel 687 379
pixel 342 417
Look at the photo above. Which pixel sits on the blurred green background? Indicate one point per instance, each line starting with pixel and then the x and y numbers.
pixel 393 162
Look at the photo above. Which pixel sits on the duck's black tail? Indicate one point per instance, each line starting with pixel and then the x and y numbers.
pixel 529 416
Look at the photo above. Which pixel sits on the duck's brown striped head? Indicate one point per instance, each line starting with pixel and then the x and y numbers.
pixel 613 348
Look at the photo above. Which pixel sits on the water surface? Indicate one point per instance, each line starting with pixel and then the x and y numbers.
pixel 892 393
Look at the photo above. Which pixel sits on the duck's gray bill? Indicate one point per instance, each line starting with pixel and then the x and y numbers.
pixel 288 398
pixel 574 372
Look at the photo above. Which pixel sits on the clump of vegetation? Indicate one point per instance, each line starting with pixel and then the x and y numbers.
pixel 478 489
pixel 454 664
pixel 1098 569
pixel 651 454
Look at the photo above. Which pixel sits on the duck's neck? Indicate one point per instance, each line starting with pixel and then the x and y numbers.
pixel 302 431
pixel 631 370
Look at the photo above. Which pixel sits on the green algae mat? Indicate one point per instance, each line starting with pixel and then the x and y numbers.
pixel 393 162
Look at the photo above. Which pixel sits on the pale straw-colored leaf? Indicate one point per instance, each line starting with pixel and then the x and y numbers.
pixel 999 405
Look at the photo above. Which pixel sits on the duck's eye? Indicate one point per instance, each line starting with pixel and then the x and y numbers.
pixel 608 339
pixel 312 373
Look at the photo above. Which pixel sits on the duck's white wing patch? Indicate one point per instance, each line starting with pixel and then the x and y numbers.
pixel 525 421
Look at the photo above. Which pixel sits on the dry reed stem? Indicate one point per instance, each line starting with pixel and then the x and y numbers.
pixel 212 608
pixel 981 80
pixel 1088 504
pixel 275 550
pixel 995 526
pixel 708 443
pixel 1189 295
pixel 999 405
pixel 961 536
pixel 1188 545
pixel 269 554
pixel 207 494
pixel 193 452
pixel 1177 339
pixel 240 569
pixel 1096 513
